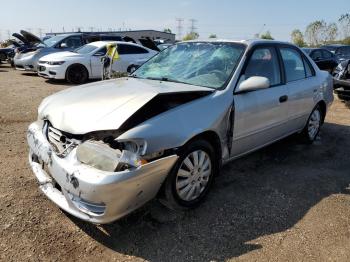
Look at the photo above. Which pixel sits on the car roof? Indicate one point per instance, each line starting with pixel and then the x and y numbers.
pixel 103 43
pixel 249 42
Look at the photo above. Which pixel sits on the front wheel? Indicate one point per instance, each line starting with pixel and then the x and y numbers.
pixel 191 177
pixel 313 125
pixel 77 74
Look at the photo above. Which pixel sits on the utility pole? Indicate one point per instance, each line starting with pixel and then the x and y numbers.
pixel 179 27
pixel 40 31
pixel 193 27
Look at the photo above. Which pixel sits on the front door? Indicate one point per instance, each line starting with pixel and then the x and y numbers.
pixel 261 116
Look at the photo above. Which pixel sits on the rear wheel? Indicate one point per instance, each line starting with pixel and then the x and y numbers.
pixel 313 125
pixel 191 177
pixel 77 74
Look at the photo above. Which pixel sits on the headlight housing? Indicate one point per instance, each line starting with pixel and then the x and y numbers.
pixel 103 157
pixel 55 62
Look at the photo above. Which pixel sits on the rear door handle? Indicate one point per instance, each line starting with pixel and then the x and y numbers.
pixel 283 99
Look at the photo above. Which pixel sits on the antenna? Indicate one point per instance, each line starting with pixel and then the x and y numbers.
pixel 179 27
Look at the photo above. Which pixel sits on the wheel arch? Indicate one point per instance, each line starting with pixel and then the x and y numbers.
pixel 323 106
pixel 211 137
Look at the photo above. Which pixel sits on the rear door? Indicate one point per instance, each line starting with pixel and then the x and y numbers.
pixel 129 55
pixel 301 83
pixel 261 116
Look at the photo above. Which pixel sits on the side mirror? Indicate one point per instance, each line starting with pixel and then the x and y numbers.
pixel 254 83
pixel 63 45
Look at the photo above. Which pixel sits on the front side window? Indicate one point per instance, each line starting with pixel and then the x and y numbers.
pixel 72 42
pixel 196 63
pixel 264 62
pixel 86 49
pixel 293 64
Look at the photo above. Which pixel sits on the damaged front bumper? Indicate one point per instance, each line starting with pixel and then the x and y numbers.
pixel 90 194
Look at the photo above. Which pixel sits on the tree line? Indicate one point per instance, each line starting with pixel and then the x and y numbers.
pixel 320 33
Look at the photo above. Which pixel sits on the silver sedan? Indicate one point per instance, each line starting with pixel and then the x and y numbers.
pixel 101 150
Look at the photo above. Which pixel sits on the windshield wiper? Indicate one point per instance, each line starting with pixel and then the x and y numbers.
pixel 166 79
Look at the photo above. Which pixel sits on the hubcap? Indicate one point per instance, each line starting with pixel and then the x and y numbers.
pixel 193 175
pixel 314 123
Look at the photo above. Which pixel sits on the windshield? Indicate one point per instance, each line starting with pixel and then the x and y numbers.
pixel 86 49
pixel 54 40
pixel 195 63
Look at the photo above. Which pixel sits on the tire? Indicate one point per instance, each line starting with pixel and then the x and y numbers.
pixel 313 125
pixel 186 187
pixel 77 74
pixel 131 69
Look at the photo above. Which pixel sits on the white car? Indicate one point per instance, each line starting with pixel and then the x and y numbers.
pixel 86 62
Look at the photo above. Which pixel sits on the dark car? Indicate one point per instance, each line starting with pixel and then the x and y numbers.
pixel 324 59
pixel 341 52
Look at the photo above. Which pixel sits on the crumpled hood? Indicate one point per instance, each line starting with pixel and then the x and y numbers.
pixel 59 56
pixel 104 105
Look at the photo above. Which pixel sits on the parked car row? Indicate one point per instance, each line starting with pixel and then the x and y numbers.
pixel 76 57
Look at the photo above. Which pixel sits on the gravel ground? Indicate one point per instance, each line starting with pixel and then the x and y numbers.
pixel 287 202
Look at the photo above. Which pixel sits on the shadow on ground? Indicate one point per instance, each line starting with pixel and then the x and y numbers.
pixel 264 193
pixel 64 82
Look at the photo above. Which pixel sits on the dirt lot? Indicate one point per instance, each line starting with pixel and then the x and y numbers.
pixel 288 202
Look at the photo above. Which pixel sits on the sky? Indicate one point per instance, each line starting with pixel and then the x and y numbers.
pixel 228 19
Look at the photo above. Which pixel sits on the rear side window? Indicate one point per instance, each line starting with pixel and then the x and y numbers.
pixel 293 64
pixel 308 70
pixel 264 62
pixel 130 49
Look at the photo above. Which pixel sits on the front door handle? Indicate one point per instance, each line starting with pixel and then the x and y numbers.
pixel 283 99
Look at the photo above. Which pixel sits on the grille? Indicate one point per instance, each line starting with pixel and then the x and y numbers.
pixel 60 143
